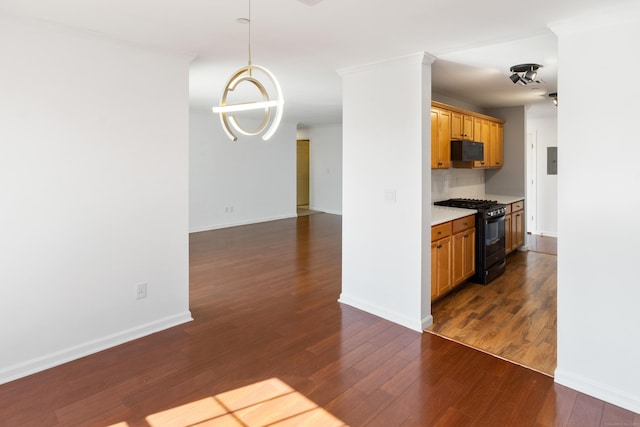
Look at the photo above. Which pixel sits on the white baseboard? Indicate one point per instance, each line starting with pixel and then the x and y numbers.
pixel 38 364
pixel 547 233
pixel 584 385
pixel 238 223
pixel 329 211
pixel 400 319
pixel 427 321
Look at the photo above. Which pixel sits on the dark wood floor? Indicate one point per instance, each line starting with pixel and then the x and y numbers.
pixel 542 244
pixel 270 345
pixel 513 317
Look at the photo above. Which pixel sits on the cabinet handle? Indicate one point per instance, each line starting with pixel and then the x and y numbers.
pixel 439 233
pixel 439 246
pixel 466 235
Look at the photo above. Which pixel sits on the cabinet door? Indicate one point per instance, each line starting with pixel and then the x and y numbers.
pixel 434 270
pixel 497 152
pixel 441 252
pixel 469 241
pixel 467 126
pixel 517 229
pixel 508 244
pixel 461 126
pixel 477 129
pixel 463 256
pixel 440 139
pixel 457 262
pixel 457 125
pixel 482 133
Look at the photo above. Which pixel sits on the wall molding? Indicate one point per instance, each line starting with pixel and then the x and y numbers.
pixel 412 59
pixel 238 223
pixel 57 358
pixel 399 318
pixel 427 321
pixel 598 390
pixel 329 211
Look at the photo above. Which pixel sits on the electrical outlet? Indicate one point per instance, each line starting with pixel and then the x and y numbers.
pixel 141 290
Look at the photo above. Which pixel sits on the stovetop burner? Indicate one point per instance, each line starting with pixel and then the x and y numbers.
pixel 467 203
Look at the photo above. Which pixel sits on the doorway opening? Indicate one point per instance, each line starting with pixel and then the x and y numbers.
pixel 302 177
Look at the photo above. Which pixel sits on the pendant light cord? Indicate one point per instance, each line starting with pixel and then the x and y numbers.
pixel 249 37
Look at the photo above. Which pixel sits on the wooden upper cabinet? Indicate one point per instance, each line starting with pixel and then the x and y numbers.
pixel 482 133
pixel 514 226
pixel 461 126
pixel 440 139
pixel 490 133
pixel 498 147
pixel 448 122
pixel 495 158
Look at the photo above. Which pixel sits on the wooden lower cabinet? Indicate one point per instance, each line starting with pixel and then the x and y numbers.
pixel 514 226
pixel 440 267
pixel 508 244
pixel 463 262
pixel 452 254
pixel 517 228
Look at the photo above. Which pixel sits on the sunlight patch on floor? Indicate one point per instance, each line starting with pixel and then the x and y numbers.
pixel 267 403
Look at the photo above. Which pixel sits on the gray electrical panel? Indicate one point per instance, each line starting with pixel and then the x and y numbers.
pixel 552 160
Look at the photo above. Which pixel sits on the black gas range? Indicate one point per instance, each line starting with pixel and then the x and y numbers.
pixel 489 208
pixel 490 236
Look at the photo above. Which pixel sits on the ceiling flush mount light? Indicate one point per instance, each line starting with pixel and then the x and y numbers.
pixel 524 73
pixel 249 75
pixel 554 98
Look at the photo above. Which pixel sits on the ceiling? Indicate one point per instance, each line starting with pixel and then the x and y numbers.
pixel 304 42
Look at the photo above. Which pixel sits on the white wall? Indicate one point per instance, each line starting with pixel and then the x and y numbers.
pixel 544 130
pixel 325 168
pixel 242 182
pixel 386 190
pixel 93 194
pixel 598 204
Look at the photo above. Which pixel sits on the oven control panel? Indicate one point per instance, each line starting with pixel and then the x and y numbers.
pixel 495 211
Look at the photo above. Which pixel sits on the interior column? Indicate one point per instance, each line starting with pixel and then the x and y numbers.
pixel 387 189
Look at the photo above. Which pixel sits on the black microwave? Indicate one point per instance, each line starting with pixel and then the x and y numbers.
pixel 466 151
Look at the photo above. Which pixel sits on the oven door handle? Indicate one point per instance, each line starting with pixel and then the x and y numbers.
pixel 495 219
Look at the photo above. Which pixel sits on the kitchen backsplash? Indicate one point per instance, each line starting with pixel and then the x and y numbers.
pixel 454 183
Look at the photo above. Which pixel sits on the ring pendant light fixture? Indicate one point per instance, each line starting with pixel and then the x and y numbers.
pixel 249 74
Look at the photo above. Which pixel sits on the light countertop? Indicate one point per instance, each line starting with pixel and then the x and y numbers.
pixel 440 214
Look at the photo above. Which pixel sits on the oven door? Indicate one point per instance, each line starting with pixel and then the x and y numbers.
pixel 494 240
